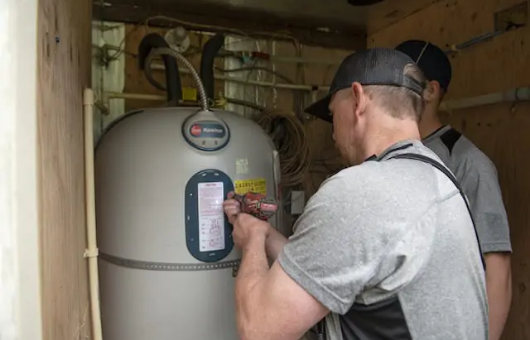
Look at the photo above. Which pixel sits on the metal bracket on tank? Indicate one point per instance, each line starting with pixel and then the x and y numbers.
pixel 205 131
pixel 216 185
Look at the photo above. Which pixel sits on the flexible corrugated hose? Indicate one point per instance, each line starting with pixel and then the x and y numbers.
pixel 168 51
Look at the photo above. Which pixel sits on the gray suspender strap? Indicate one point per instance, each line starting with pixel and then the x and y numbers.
pixel 443 169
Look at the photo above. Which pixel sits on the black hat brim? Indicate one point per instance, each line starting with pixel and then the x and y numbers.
pixel 320 109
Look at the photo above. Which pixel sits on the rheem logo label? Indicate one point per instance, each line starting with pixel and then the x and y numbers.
pixel 207 130
pixel 196 130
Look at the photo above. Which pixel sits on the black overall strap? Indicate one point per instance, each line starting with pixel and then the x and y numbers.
pixel 318 332
pixel 443 169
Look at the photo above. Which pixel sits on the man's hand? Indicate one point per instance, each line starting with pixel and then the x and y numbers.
pixel 274 242
pixel 246 227
pixel 232 208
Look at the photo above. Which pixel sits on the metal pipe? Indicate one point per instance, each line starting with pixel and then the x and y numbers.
pixel 518 94
pixel 272 58
pixel 209 52
pixel 513 95
pixel 298 60
pixel 298 87
pixel 474 41
pixel 154 97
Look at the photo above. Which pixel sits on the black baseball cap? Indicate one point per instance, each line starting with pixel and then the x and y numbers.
pixel 430 59
pixel 375 66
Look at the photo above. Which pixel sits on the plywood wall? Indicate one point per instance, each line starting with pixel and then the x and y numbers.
pixel 64 52
pixel 501 130
pixel 313 74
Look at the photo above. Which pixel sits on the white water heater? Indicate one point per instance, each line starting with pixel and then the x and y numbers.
pixel 167 258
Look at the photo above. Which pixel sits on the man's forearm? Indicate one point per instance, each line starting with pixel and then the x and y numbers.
pixel 499 289
pixel 499 300
pixel 275 243
pixel 253 268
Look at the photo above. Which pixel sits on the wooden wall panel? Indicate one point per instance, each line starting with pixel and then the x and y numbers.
pixel 64 52
pixel 500 130
pixel 388 12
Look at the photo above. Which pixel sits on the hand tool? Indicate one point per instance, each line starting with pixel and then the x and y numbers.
pixel 257 205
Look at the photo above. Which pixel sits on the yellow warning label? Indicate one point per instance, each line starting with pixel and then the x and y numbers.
pixel 257 185
pixel 189 94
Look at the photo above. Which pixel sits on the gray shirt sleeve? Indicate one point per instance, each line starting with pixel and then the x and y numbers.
pixel 341 246
pixel 481 186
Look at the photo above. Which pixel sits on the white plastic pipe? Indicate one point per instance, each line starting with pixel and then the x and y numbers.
pixel 513 95
pixel 140 96
pixel 92 250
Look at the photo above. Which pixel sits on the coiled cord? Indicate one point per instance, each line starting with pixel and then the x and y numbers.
pixel 292 143
pixel 168 51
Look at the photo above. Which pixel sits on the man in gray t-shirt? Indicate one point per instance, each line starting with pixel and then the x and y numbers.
pixel 386 249
pixel 477 176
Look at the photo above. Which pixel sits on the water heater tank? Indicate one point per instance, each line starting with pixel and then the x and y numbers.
pixel 167 259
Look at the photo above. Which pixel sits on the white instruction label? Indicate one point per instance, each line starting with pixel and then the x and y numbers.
pixel 241 166
pixel 211 216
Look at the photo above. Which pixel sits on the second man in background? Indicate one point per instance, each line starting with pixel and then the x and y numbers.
pixel 477 176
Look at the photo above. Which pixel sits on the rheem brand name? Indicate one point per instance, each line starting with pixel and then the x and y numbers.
pixel 207 130
pixel 213 130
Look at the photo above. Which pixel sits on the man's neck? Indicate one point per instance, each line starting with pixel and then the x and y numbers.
pixel 430 122
pixel 386 138
pixel 429 128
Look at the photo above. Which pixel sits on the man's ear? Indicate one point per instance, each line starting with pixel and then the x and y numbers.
pixel 432 91
pixel 360 98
